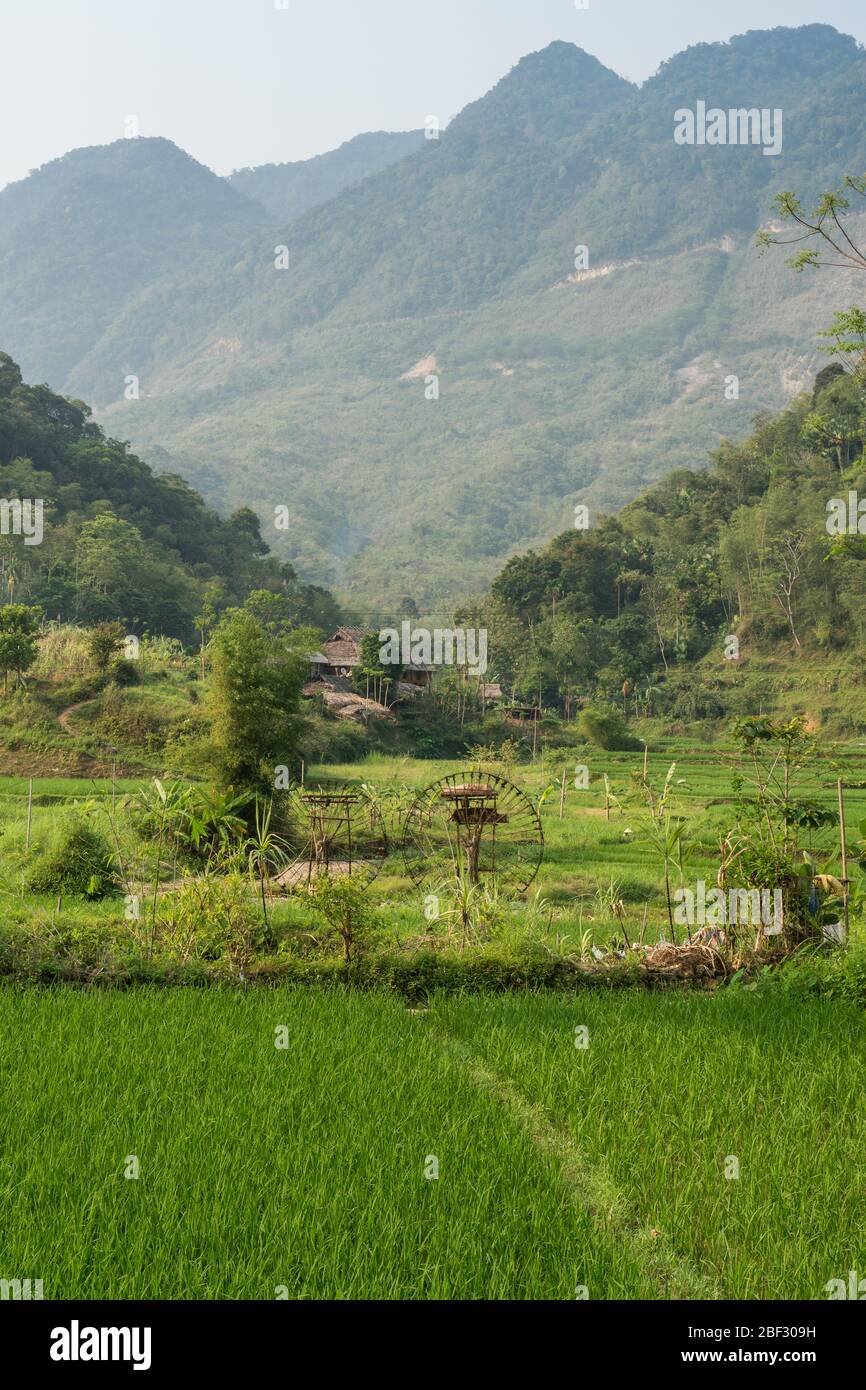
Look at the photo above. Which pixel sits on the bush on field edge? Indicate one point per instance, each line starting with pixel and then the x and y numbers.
pixel 414 976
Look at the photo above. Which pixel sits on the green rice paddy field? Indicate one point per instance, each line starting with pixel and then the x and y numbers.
pixel 307 1170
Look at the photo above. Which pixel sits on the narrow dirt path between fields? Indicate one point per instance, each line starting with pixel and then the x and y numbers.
pixel 63 716
pixel 591 1189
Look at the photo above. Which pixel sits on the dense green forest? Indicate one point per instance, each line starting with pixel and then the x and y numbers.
pixel 658 606
pixel 119 541
pixel 654 609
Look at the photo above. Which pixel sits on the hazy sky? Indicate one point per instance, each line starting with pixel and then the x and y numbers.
pixel 239 82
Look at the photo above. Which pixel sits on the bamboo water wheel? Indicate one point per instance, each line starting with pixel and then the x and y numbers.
pixel 333 831
pixel 477 824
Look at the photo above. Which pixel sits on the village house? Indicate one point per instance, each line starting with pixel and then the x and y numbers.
pixel 332 669
pixel 339 655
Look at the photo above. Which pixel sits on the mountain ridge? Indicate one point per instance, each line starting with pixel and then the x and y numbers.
pixel 286 191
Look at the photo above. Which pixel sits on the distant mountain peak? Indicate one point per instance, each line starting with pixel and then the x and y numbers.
pixel 560 58
pixel 486 258
pixel 549 94
pixel 132 211
pixel 120 153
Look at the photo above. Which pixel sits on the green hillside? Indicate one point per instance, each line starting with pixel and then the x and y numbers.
pixel 287 191
pixel 713 594
pixel 83 236
pixel 117 541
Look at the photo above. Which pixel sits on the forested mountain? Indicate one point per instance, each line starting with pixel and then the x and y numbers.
pixel 116 540
pixel 286 191
pixel 558 383
pixel 704 571
pixel 82 237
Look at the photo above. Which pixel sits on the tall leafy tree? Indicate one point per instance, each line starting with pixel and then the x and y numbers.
pixel 19 625
pixel 255 700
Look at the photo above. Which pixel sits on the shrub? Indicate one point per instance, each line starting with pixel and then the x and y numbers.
pixel 77 691
pixel 104 642
pixel 607 729
pixel 834 973
pixel 125 672
pixel 331 740
pixel 79 864
pixel 344 906
pixel 209 919
pixel 131 720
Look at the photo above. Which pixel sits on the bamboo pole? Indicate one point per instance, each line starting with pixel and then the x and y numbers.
pixel 844 853
pixel 29 812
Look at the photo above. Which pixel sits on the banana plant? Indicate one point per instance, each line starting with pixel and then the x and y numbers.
pixel 214 818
